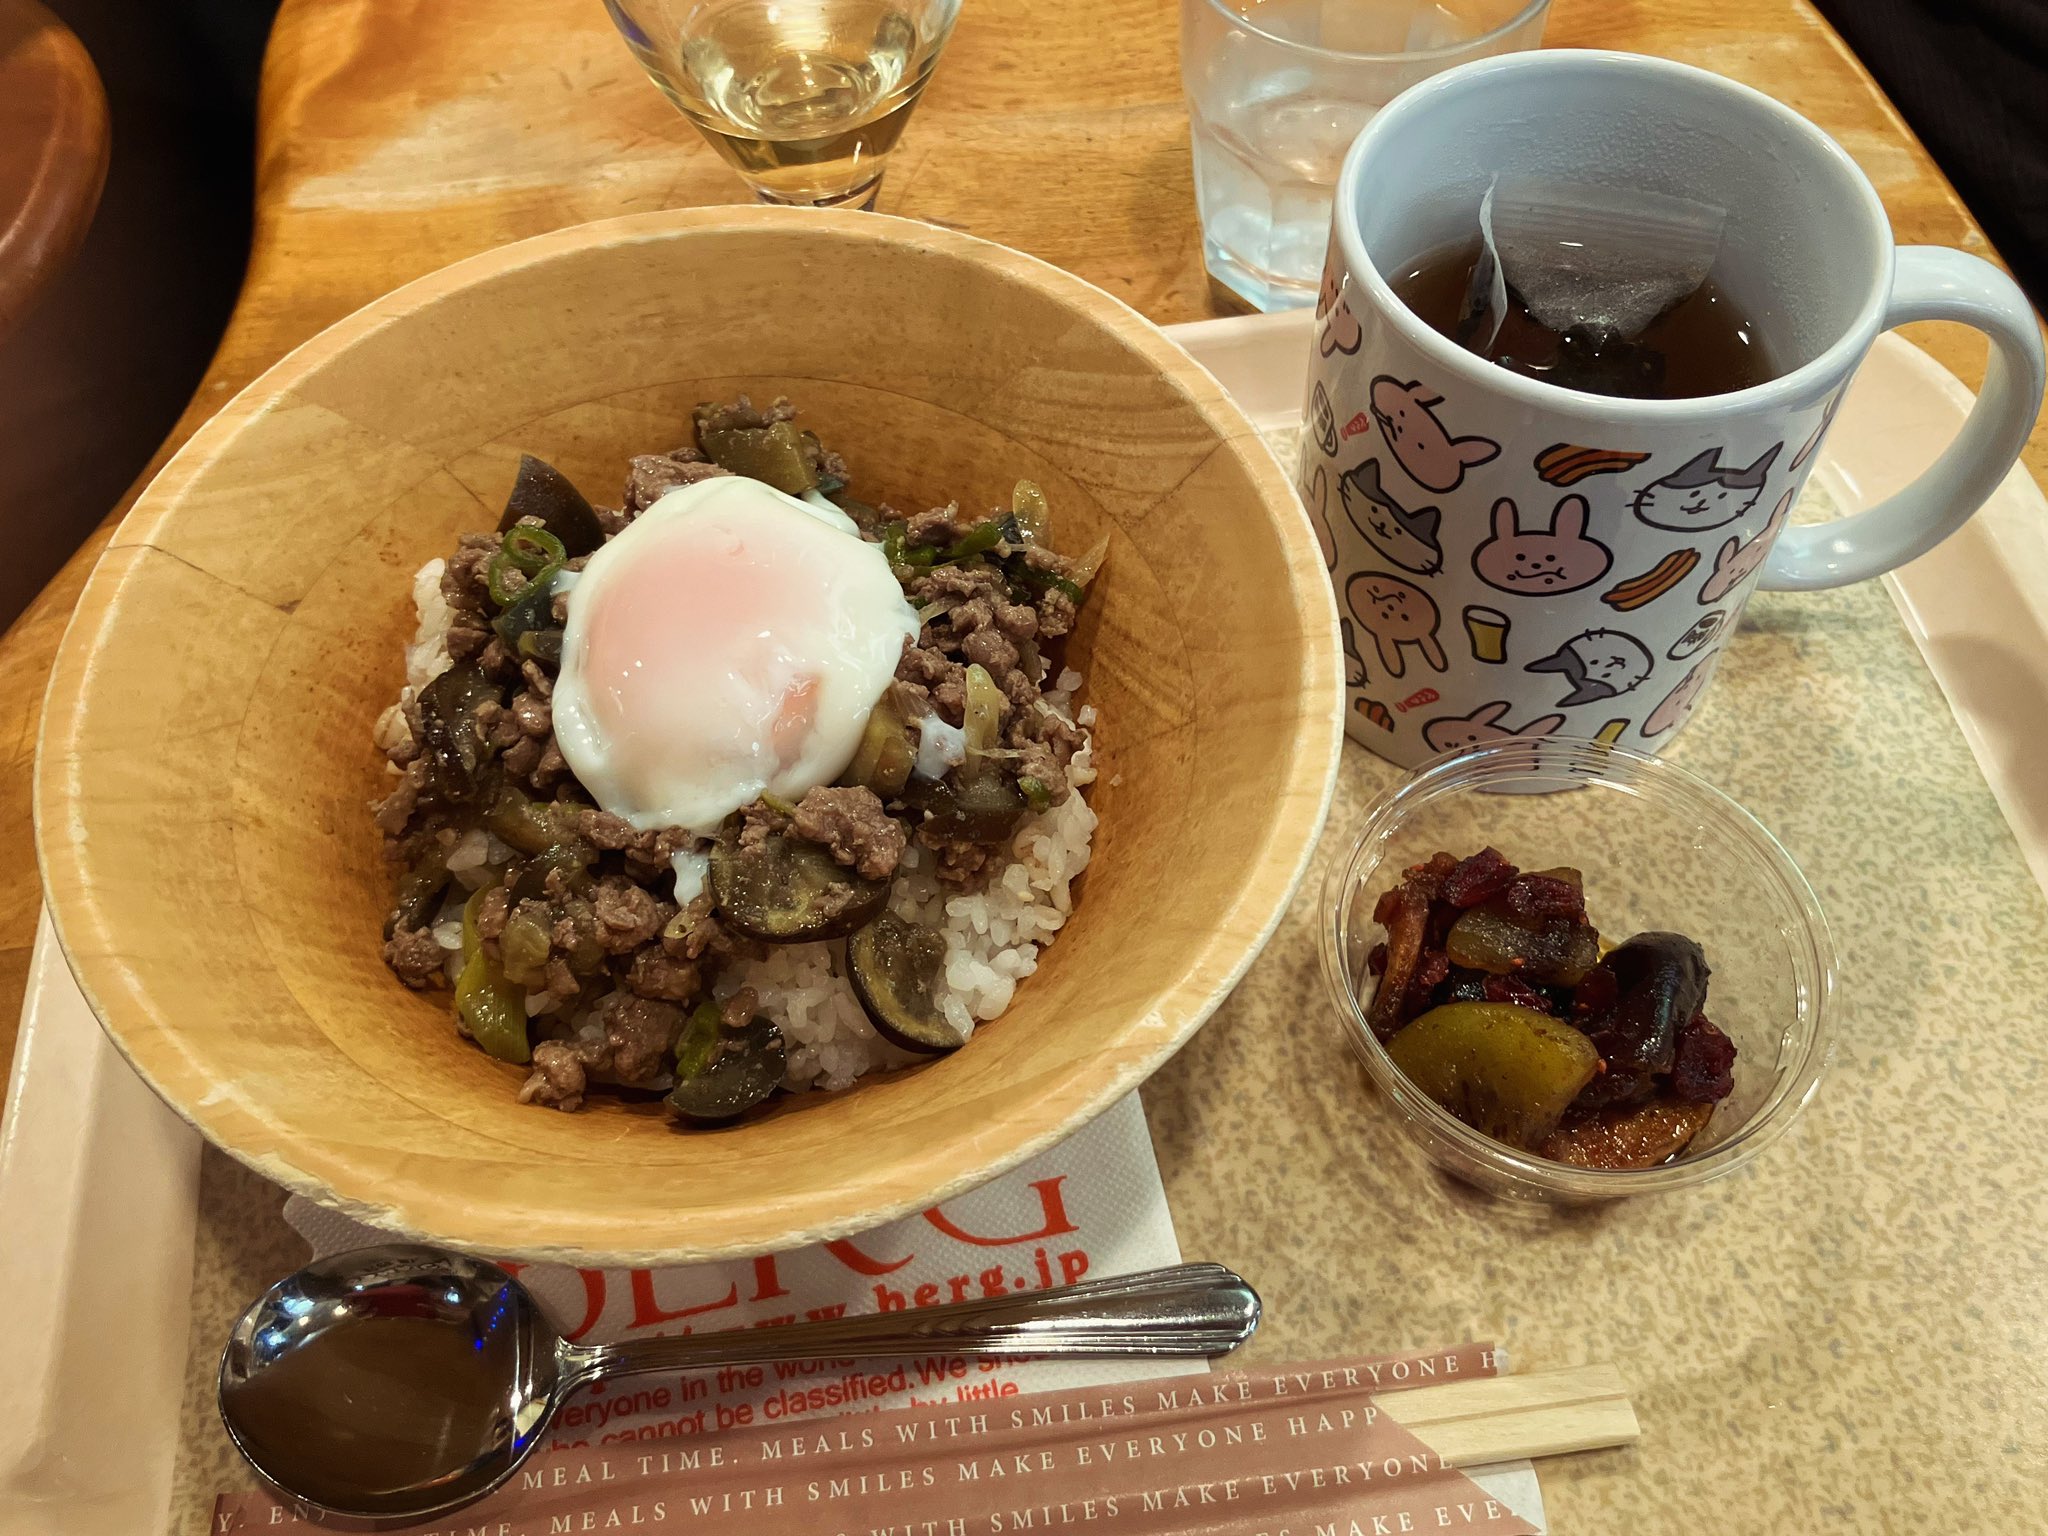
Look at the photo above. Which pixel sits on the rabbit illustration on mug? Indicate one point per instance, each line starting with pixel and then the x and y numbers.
pixel 1539 562
pixel 1740 559
pixel 1449 733
pixel 1395 614
pixel 1422 445
pixel 1316 497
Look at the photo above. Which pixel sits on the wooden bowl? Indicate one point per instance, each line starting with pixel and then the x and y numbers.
pixel 203 790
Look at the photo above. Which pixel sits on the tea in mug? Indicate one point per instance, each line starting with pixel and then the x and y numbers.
pixel 1704 344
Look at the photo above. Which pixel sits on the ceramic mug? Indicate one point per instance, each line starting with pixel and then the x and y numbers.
pixel 1517 559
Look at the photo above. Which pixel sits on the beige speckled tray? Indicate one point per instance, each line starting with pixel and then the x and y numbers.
pixel 1848 1336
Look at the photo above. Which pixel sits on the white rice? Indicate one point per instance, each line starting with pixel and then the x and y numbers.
pixel 993 936
pixel 426 654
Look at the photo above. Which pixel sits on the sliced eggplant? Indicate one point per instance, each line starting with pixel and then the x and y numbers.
pixel 455 746
pixel 897 970
pixel 788 890
pixel 541 645
pixel 1663 980
pixel 419 891
pixel 531 612
pixel 975 807
pixel 745 1068
pixel 543 491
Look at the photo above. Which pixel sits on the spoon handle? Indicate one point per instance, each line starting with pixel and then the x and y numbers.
pixel 1190 1309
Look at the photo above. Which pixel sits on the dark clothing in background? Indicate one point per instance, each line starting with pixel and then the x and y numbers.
pixel 1971 77
pixel 93 378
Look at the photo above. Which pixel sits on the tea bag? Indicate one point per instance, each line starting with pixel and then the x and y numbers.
pixel 1591 266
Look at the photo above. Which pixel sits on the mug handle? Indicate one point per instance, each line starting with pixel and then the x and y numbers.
pixel 1932 282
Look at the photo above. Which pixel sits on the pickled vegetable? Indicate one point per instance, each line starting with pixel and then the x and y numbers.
pixel 1404 912
pixel 540 490
pixel 746 1066
pixel 898 972
pixel 1507 1072
pixel 788 890
pixel 1554 951
pixel 492 1009
pixel 542 645
pixel 1641 1137
pixel 471 941
pixel 774 454
pixel 1663 982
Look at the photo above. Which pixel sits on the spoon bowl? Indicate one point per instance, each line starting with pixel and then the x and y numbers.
pixel 390 1385
pixel 393 1382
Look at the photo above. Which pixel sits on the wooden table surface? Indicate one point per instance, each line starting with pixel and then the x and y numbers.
pixel 397 137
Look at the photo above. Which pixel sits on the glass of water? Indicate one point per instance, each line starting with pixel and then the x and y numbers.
pixel 1278 89
pixel 804 98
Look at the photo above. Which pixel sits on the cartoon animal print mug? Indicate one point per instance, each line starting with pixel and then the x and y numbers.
pixel 1517 559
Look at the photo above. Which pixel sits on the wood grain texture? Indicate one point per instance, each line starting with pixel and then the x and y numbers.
pixel 53 151
pixel 1492 1419
pixel 206 773
pixel 397 137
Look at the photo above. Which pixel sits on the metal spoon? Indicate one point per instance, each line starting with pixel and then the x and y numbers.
pixel 396 1384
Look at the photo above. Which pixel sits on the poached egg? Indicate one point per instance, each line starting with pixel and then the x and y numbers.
pixel 730 641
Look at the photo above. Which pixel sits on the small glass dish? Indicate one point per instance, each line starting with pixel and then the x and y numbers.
pixel 1660 850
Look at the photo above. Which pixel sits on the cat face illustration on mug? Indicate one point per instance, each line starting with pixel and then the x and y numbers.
pixel 1598 664
pixel 1703 492
pixel 1408 538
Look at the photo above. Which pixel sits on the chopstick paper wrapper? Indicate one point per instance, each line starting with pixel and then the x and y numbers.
pixel 1344 1448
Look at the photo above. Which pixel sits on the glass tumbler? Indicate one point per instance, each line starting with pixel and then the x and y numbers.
pixel 804 98
pixel 1278 89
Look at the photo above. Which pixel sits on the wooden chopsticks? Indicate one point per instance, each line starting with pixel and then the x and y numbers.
pixel 1505 1418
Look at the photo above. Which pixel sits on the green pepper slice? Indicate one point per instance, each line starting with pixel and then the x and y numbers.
pixel 492 1009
